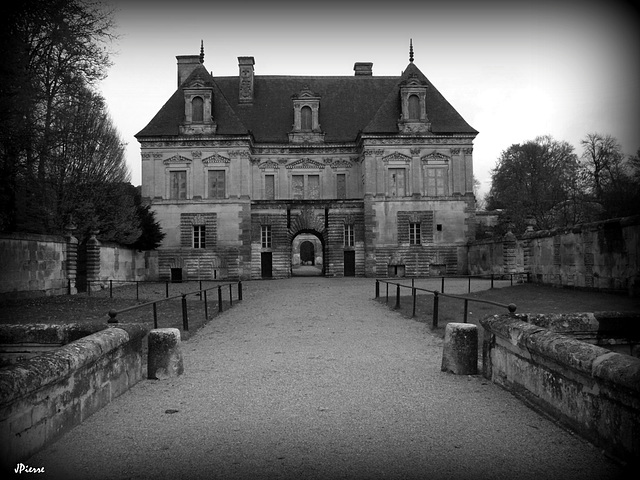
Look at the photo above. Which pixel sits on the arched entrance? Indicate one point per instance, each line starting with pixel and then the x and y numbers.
pixel 307 254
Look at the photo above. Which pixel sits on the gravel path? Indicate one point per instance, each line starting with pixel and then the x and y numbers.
pixel 308 378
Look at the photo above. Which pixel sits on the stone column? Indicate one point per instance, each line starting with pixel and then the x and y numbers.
pixel 509 245
pixel 72 257
pixel 93 259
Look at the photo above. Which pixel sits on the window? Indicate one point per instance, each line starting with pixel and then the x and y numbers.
pixel 199 234
pixel 414 234
pixel 265 236
pixel 269 187
pixel 341 187
pixel 178 185
pixel 197 109
pixel 306 119
pixel 436 181
pixel 349 236
pixel 397 182
pixel 313 186
pixel 414 107
pixel 216 184
pixel 305 186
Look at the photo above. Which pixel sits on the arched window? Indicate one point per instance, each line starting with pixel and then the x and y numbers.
pixel 414 107
pixel 305 119
pixel 197 109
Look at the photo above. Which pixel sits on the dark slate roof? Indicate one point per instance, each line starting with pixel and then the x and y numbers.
pixel 348 105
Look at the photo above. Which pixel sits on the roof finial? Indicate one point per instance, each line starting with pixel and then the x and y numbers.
pixel 411 50
pixel 201 51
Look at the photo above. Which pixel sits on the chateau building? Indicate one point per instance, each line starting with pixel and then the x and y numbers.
pixel 251 176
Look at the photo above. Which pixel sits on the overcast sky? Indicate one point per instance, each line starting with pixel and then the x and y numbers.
pixel 514 70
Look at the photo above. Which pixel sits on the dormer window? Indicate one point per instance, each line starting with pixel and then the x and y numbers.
pixel 306 115
pixel 198 109
pixel 413 102
pixel 306 120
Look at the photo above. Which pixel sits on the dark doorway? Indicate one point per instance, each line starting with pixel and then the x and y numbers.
pixel 176 275
pixel 266 262
pixel 307 253
pixel 349 263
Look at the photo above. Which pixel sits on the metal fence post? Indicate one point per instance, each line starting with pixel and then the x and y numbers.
pixel 185 320
pixel 200 293
pixel 240 291
pixel 110 288
pixel 413 293
pixel 469 289
pixel 206 311
pixel 492 280
pixel 435 310
pixel 155 315
pixel 466 309
pixel 442 285
pixel 397 295
pixel 89 287
pixel 137 290
pixel 377 288
pixel 166 289
pixel 230 295
pixel 219 298
pixel 387 283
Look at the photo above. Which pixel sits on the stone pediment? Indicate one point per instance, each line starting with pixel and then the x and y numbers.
pixel 269 164
pixel 215 158
pixel 176 159
pixel 306 163
pixel 341 164
pixel 396 157
pixel 435 157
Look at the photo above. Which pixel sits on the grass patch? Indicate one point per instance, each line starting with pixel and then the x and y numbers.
pixel 528 297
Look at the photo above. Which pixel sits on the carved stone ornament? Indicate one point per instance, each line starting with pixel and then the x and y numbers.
pixel 176 159
pixel 396 157
pixel 215 158
pixel 269 164
pixel 435 157
pixel 341 164
pixel 306 163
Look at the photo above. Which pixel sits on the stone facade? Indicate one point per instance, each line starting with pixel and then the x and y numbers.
pixel 378 169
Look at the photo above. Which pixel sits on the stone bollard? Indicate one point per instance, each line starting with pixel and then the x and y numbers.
pixel 460 351
pixel 165 355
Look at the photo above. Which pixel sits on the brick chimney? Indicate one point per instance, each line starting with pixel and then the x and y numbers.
pixel 245 65
pixel 363 68
pixel 186 65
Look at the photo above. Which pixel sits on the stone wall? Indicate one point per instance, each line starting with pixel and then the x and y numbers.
pixel 33 265
pixel 603 255
pixel 45 396
pixel 593 390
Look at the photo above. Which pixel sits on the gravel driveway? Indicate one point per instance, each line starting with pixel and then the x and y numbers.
pixel 309 378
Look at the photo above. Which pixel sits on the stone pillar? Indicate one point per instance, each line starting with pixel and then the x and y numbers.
pixel 93 259
pixel 72 258
pixel 165 354
pixel 460 350
pixel 509 245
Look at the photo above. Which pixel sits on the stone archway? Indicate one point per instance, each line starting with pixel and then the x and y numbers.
pixel 307 254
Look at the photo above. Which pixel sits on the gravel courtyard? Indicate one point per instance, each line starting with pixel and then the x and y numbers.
pixel 309 378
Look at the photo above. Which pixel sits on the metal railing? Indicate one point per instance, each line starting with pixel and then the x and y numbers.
pixel 436 297
pixel 202 293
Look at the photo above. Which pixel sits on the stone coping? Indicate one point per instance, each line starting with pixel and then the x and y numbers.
pixel 587 359
pixel 17 381
pixel 46 333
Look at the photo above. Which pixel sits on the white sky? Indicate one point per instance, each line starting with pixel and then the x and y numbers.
pixel 514 70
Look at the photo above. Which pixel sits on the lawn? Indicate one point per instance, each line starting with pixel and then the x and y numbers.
pixel 528 298
pixel 94 308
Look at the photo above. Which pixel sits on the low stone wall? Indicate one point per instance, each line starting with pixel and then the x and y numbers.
pixel 47 395
pixel 21 342
pixel 121 263
pixel 591 389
